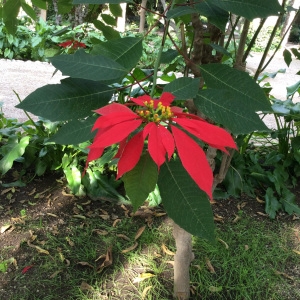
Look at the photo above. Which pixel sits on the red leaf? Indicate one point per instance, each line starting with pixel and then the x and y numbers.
pixel 111 108
pixel 167 140
pixel 210 134
pixel 115 134
pixel 26 269
pixel 66 44
pixel 94 153
pixel 131 154
pixel 140 100
pixel 122 145
pixel 155 146
pixel 166 98
pixel 114 118
pixel 194 160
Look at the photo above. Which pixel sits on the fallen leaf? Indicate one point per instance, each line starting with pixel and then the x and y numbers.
pixel 32 192
pixel 236 219
pixel 85 286
pixel 86 264
pixel 139 232
pixel 105 217
pixel 224 243
pixel 100 231
pixel 209 265
pixel 4 228
pixel 116 222
pixel 71 243
pixel 142 277
pixel 171 262
pixel 159 214
pixel 283 274
pixel 215 289
pixel 79 217
pixel 262 214
pixel 66 194
pixel 246 247
pixel 107 260
pixel 296 251
pixel 259 200
pixel 166 250
pixel 55 274
pixel 52 215
pixel 130 248
pixel 145 291
pixel 25 270
pixel 123 236
pixel 41 250
pixel 86 203
pixel 7 190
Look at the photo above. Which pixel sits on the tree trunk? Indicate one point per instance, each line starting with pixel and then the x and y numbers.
pixel 142 14
pixel 58 18
pixel 121 21
pixel 43 14
pixel 182 260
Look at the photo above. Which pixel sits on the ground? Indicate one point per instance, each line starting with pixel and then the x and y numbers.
pixel 44 209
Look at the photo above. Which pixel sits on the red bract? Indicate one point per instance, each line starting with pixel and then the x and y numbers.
pixel 25 270
pixel 165 128
pixel 72 43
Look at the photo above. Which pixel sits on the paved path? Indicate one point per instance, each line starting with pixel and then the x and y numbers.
pixel 25 77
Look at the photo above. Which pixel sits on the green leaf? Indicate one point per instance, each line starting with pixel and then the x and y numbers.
pixel 218 76
pixel 184 202
pixel 292 89
pixel 73 176
pixel 28 10
pixel 287 57
pixel 40 3
pixel 72 99
pixel 109 20
pixel 224 107
pixel 250 9
pixel 141 181
pixel 183 88
pixel 87 66
pixel 108 32
pixel 74 132
pixel 10 12
pixel 272 204
pixel 12 150
pixel 168 56
pixel 289 203
pixel 126 51
pixel 116 10
pixel 101 1
pixel 295 52
pixel 64 6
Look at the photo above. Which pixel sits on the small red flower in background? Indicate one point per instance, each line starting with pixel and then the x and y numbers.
pixel 165 127
pixel 72 43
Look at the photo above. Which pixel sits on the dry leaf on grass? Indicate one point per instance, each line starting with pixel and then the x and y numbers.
pixel 130 248
pixel 55 274
pixel 296 251
pixel 107 260
pixel 139 232
pixel 284 275
pixel 85 264
pixel 209 265
pixel 142 277
pixel 100 231
pixel 116 222
pixel 166 250
pixel 4 228
pixel 259 200
pixel 85 286
pixel 224 243
pixel 123 236
pixel 145 291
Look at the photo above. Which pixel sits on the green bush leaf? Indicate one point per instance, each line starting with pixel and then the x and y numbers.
pixel 287 55
pixel 11 151
pixel 184 202
pixel 10 12
pixel 126 51
pixel 115 9
pixel 108 32
pixel 109 20
pixel 40 3
pixel 288 201
pixel 87 66
pixel 101 1
pixel 74 132
pixel 183 88
pixel 141 181
pixel 272 204
pixel 64 6
pixel 72 99
pixel 28 10
pixel 250 94
pixel 250 9
pixel 226 108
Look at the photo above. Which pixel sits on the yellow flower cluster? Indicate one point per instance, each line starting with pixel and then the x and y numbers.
pixel 151 114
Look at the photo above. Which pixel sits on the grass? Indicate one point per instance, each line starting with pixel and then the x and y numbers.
pixel 252 259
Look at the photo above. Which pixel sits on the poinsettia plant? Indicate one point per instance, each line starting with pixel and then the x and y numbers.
pixel 166 128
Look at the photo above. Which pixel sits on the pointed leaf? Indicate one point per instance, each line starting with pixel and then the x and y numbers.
pixel 74 132
pixel 108 32
pixel 28 10
pixel 224 107
pixel 193 160
pixel 272 204
pixel 287 55
pixel 219 76
pixel 250 9
pixel 100 1
pixel 40 3
pixel 109 20
pixel 12 150
pixel 131 154
pixel 116 10
pixel 184 202
pixel 72 99
pixel 10 12
pixel 183 88
pixel 87 66
pixel 141 181
pixel 126 51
